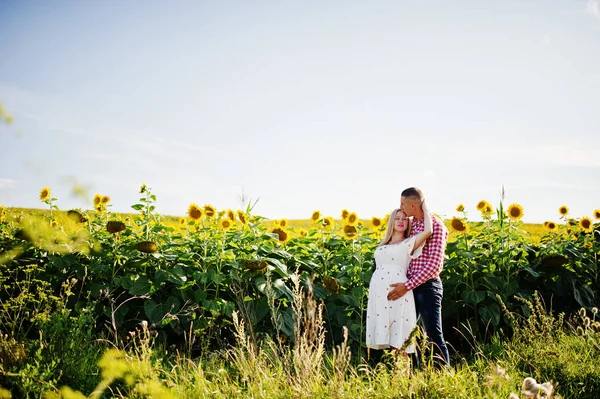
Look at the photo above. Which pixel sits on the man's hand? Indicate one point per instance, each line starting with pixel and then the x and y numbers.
pixel 398 292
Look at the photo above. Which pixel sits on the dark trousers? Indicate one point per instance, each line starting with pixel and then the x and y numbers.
pixel 428 301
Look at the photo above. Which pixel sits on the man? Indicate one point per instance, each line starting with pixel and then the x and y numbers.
pixel 423 273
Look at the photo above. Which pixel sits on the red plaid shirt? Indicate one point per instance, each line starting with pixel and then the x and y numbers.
pixel 430 263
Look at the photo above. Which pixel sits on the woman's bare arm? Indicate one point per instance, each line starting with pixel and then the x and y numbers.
pixel 428 222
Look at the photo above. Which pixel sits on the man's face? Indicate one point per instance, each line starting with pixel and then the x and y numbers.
pixel 407 206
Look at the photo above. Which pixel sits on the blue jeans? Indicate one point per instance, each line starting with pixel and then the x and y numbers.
pixel 428 301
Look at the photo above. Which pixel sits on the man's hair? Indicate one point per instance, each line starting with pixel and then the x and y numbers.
pixel 413 193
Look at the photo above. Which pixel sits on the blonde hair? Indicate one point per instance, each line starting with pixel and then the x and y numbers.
pixel 390 228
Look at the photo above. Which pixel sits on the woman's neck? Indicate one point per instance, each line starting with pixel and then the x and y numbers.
pixel 397 237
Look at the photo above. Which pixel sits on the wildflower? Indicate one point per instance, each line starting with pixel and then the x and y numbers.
pixel 531 388
pixel 282 235
pixel 328 221
pixel 376 222
pixel 231 215
pixel 515 211
pixel 226 224
pixel 97 200
pixel 143 188
pixel 594 310
pixel 586 224
pixel 563 210
pixel 597 214
pixel 146 247
pixel 458 225
pixel 114 226
pixel 350 231
pixel 209 210
pixel 582 312
pixel 44 194
pixel 460 208
pixel 352 219
pixel 194 212
pixel 316 216
pixel 241 216
pixel 345 214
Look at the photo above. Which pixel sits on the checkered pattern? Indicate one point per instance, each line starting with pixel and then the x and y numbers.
pixel 430 263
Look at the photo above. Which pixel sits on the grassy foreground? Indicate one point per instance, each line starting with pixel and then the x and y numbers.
pixel 545 356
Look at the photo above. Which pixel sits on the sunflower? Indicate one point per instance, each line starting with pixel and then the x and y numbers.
pixel 44 194
pixel 345 214
pixel 99 209
pixel 487 210
pixel 550 225
pixel 460 208
pixel 143 188
pixel 226 224
pixel 209 210
pixel 316 216
pixel 283 222
pixel 146 247
pixel 458 225
pixel 241 216
pixel 255 265
pixel 75 216
pixel 194 212
pixel 376 222
pixel 303 233
pixel 331 284
pixel 563 210
pixel 114 226
pixel 586 224
pixel 97 200
pixel 105 199
pixel 54 224
pixel 282 235
pixel 231 215
pixel 350 231
pixel 481 205
pixel 182 221
pixel 597 214
pixel 276 223
pixel 352 219
pixel 515 211
pixel 328 221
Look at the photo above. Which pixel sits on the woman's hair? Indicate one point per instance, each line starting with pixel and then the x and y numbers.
pixel 390 228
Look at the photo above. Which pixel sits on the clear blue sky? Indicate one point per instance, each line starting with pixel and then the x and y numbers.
pixel 305 104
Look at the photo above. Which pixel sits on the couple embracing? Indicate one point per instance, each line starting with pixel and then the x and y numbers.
pixel 406 281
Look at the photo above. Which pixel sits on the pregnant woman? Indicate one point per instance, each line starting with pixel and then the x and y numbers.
pixel 390 322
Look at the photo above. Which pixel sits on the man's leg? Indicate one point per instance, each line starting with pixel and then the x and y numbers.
pixel 428 301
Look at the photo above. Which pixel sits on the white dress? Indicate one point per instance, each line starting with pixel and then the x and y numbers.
pixel 390 322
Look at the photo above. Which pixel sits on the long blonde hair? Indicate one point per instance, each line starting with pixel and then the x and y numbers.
pixel 390 228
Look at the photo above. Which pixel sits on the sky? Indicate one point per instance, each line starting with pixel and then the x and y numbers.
pixel 303 105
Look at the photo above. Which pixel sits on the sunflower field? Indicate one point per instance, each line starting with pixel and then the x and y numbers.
pixel 188 279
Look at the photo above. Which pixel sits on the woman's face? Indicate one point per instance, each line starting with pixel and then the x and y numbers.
pixel 400 222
